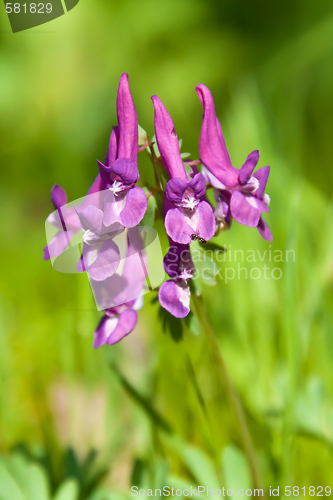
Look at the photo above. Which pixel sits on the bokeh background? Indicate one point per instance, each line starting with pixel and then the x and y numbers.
pixel 78 423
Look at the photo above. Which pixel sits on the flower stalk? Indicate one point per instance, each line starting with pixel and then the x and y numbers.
pixel 235 402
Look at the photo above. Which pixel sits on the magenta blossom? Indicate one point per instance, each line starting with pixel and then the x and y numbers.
pixel 122 293
pixel 100 254
pixel 188 215
pixel 65 220
pixel 174 295
pixel 119 173
pixel 242 190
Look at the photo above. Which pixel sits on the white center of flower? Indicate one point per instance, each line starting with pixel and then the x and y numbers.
pixel 253 184
pixel 91 238
pixel 117 187
pixel 185 275
pixel 190 202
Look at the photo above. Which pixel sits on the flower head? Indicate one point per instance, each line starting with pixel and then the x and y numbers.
pixel 242 189
pixel 174 294
pixel 186 211
pixel 119 173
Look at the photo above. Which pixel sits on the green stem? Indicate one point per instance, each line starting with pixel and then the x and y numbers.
pixel 235 402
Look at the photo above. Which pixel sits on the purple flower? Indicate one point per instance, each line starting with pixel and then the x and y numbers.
pixel 65 220
pixel 188 215
pixel 115 325
pixel 119 173
pixel 100 255
pixel 174 295
pixel 123 292
pixel 242 190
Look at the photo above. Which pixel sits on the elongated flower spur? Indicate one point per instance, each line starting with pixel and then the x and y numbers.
pixel 110 219
pixel 242 190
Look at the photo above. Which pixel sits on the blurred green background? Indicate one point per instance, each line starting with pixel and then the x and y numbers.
pixel 161 415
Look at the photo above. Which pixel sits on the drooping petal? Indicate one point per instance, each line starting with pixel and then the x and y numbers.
pixel 262 175
pixel 58 196
pixel 248 166
pixel 135 207
pixel 173 258
pixel 246 209
pixel 264 230
pixel 106 262
pixel 167 141
pixel 175 298
pixel 128 145
pixel 126 324
pixel 175 188
pixel 112 329
pixel 177 227
pixel 126 169
pixel 180 223
pixel 206 221
pixel 91 218
pixel 105 327
pixel 212 147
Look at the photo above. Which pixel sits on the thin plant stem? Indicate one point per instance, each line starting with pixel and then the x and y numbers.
pixel 235 402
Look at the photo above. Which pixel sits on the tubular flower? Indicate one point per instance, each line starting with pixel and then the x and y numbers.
pixel 123 292
pixel 100 254
pixel 65 220
pixel 119 173
pixel 115 247
pixel 174 294
pixel 242 190
pixel 187 213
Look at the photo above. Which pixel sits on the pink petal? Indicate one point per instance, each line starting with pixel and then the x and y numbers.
pixel 264 230
pixel 106 263
pixel 128 145
pixel 212 147
pixel 246 209
pixel 167 141
pixel 175 298
pixel 135 207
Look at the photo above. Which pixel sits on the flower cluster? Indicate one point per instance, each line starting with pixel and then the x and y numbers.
pixel 115 206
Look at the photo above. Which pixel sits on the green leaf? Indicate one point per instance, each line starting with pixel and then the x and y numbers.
pixel 18 467
pixel 178 482
pixel 143 136
pixel 9 489
pixel 38 488
pixel 138 472
pixel 170 324
pixel 149 217
pixel 142 401
pixel 196 460
pixel 235 469
pixel 188 168
pixel 201 466
pixel 68 490
pixel 192 323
